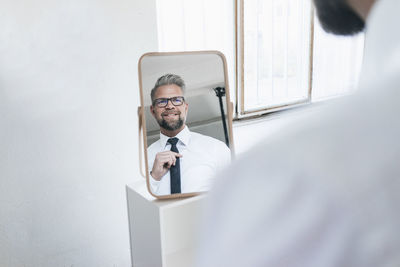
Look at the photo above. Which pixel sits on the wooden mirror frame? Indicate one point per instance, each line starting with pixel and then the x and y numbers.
pixel 142 119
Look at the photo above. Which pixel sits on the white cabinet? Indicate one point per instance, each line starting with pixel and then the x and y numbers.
pixel 162 232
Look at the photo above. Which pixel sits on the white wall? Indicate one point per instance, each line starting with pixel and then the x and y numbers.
pixel 250 133
pixel 68 128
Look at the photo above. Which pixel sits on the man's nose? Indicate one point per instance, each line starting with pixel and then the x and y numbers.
pixel 169 104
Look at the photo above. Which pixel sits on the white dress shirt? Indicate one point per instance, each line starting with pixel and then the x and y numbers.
pixel 326 192
pixel 202 157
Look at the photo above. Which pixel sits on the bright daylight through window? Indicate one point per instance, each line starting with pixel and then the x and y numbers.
pixel 276 53
pixel 288 58
pixel 189 25
pixel 284 57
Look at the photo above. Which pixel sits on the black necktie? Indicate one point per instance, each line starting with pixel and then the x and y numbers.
pixel 175 171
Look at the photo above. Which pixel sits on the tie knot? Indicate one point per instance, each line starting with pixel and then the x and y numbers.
pixel 173 141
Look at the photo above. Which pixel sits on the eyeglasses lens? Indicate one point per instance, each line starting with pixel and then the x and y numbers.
pixel 177 101
pixel 163 102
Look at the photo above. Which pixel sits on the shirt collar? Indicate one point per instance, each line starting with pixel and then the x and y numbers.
pixel 183 137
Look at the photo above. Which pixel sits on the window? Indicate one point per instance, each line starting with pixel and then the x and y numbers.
pixel 337 63
pixel 276 53
pixel 190 25
pixel 287 59
pixel 283 56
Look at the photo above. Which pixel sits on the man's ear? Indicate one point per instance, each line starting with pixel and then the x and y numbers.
pixel 152 110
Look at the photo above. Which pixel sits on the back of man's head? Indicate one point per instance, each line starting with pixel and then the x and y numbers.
pixel 338 17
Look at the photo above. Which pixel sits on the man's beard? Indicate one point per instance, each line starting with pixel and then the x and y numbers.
pixel 337 17
pixel 171 125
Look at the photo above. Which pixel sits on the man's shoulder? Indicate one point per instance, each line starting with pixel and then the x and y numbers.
pixel 198 137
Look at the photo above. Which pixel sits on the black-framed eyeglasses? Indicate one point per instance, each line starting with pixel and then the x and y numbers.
pixel 163 102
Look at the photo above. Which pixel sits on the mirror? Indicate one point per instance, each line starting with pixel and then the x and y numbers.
pixel 187 121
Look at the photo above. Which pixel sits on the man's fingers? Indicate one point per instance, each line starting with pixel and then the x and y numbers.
pixel 163 161
pixel 173 159
pixel 168 164
pixel 168 152
pixel 170 161
pixel 167 158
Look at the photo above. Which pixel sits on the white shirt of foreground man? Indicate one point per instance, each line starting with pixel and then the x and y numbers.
pixel 327 193
pixel 202 157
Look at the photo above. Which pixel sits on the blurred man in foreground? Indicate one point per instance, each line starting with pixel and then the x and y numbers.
pixel 326 192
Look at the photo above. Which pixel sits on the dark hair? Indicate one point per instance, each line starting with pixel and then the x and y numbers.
pixel 337 17
pixel 165 80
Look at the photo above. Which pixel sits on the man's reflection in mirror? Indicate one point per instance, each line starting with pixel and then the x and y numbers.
pixel 181 161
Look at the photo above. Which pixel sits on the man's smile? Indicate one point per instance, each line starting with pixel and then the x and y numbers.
pixel 170 114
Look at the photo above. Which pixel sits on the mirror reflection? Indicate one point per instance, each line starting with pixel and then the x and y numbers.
pixel 185 98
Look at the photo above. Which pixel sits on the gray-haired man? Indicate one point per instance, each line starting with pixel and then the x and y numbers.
pixel 198 156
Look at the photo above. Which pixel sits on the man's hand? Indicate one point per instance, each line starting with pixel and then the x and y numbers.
pixel 163 161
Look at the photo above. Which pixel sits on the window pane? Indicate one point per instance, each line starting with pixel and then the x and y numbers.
pixel 190 25
pixel 276 52
pixel 337 63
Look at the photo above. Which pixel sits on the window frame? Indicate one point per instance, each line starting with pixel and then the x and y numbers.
pixel 239 80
